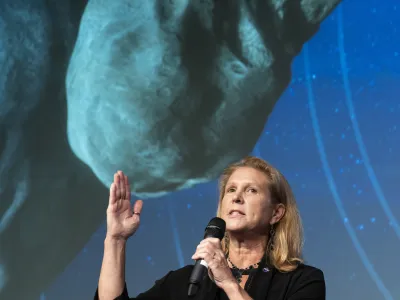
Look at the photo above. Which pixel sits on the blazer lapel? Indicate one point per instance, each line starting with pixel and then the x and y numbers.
pixel 261 283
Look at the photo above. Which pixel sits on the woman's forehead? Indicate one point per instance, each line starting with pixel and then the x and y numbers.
pixel 247 175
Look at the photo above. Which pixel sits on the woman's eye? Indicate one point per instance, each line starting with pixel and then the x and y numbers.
pixel 251 190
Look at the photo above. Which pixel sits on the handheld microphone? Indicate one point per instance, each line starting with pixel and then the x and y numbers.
pixel 214 229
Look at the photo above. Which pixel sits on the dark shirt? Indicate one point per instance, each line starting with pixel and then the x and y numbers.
pixel 304 283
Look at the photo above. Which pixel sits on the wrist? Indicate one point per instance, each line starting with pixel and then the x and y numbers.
pixel 231 287
pixel 113 241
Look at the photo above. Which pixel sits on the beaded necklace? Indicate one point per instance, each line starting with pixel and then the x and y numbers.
pixel 238 273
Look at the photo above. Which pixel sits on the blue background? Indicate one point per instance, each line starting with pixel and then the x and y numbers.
pixel 334 135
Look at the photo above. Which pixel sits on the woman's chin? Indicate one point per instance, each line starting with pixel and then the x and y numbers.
pixel 236 228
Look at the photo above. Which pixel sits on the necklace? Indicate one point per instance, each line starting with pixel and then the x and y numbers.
pixel 238 273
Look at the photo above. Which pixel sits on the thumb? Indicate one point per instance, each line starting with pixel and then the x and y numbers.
pixel 137 207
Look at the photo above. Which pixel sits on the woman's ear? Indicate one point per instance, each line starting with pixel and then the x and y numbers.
pixel 278 213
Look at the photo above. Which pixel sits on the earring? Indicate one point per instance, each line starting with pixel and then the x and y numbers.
pixel 271 238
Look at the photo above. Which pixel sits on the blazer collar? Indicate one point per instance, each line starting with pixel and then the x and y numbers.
pixel 261 283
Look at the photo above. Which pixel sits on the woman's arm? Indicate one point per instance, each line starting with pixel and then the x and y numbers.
pixel 112 274
pixel 235 292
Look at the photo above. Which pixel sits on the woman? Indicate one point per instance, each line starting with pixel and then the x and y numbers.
pixel 259 258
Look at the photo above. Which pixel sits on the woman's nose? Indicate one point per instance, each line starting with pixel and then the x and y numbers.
pixel 237 199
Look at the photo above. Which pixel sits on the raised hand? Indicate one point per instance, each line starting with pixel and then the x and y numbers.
pixel 122 220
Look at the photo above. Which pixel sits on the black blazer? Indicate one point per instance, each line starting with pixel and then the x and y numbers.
pixel 304 283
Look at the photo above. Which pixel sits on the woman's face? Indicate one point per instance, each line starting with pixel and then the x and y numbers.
pixel 246 205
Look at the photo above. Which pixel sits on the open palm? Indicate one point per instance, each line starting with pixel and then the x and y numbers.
pixel 122 220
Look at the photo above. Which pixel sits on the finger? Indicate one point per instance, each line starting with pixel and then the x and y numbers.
pixel 220 256
pixel 215 254
pixel 137 208
pixel 122 184
pixel 209 250
pixel 202 254
pixel 127 188
pixel 209 245
pixel 117 186
pixel 211 240
pixel 113 197
pixel 201 247
pixel 198 255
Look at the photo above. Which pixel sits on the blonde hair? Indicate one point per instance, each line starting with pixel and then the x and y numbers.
pixel 287 242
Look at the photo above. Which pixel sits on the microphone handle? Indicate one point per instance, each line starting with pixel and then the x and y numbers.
pixel 199 271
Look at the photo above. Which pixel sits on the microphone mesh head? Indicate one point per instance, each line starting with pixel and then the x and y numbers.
pixel 215 228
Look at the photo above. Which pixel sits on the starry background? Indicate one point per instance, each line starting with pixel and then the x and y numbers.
pixel 334 136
